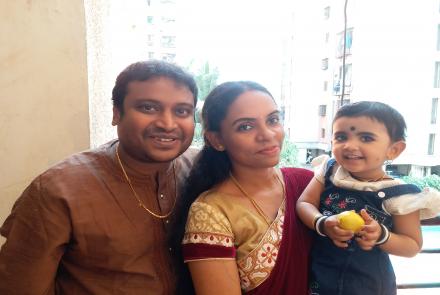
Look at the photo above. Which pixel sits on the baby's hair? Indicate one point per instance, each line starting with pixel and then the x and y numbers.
pixel 383 113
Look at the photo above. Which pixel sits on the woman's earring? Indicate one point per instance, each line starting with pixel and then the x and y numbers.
pixel 220 148
pixel 388 162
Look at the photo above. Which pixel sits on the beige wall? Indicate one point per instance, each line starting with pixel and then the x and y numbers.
pixel 43 90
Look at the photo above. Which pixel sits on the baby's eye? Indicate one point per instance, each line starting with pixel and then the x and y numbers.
pixel 366 138
pixel 339 137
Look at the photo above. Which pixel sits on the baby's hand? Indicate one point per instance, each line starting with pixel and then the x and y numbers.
pixel 370 232
pixel 339 236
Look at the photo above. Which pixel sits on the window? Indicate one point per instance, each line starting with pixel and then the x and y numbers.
pixel 150 19
pixel 347 74
pixel 438 37
pixel 324 64
pixel 322 132
pixel 431 144
pixel 338 103
pixel 169 57
pixel 150 40
pixel 325 85
pixel 327 37
pixel 150 55
pixel 168 41
pixel 437 75
pixel 434 107
pixel 168 19
pixel 348 43
pixel 327 12
pixel 322 110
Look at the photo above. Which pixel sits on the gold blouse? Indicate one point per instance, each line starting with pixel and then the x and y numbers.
pixel 218 222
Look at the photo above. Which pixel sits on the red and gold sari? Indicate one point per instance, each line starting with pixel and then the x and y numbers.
pixel 271 259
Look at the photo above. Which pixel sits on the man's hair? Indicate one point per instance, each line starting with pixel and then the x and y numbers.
pixel 383 113
pixel 146 70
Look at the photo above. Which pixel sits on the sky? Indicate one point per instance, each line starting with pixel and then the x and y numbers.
pixel 242 38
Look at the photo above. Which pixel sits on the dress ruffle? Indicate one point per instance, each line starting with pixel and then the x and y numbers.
pixel 427 201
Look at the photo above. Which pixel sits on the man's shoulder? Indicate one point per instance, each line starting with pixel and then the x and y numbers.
pixel 187 159
pixel 78 161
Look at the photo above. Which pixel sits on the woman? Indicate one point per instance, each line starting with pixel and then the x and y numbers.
pixel 242 234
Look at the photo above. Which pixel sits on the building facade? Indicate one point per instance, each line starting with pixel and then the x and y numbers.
pixel 391 54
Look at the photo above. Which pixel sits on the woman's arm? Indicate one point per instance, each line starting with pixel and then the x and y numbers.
pixel 406 238
pixel 215 277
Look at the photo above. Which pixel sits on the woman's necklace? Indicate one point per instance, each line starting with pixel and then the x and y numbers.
pixel 253 202
pixel 141 204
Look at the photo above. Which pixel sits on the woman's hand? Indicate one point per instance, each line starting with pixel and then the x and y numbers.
pixel 370 232
pixel 339 236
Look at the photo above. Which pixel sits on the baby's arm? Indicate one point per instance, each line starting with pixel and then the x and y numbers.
pixel 307 209
pixel 406 238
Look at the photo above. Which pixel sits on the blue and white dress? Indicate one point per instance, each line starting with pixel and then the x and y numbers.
pixel 351 271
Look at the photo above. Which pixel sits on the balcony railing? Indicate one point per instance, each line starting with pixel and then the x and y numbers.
pixel 429 251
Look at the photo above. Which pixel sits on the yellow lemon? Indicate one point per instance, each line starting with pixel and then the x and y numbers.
pixel 350 220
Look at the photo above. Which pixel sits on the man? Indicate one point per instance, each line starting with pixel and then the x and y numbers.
pixel 96 223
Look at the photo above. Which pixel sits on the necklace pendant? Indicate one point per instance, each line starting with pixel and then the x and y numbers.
pixel 135 195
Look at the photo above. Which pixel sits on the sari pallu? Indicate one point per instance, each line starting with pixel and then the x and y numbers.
pixel 277 263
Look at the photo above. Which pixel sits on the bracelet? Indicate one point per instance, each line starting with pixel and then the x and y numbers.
pixel 384 236
pixel 319 225
pixel 315 219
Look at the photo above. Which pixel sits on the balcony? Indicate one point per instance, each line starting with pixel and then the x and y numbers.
pixel 421 274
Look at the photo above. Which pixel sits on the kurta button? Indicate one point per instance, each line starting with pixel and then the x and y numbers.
pixel 381 194
pixel 161 196
pixel 167 221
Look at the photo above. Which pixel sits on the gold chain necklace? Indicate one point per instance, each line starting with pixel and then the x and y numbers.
pixel 141 204
pixel 384 176
pixel 254 203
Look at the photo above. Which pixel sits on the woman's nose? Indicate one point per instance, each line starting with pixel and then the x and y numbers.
pixel 265 133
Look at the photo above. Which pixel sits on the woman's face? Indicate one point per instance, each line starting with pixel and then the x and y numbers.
pixel 252 133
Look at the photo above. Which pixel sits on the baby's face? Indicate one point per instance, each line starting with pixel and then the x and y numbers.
pixel 361 145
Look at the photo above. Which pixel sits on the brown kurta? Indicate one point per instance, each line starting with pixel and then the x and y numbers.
pixel 77 229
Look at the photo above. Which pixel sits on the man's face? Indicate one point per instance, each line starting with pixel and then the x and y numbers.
pixel 158 120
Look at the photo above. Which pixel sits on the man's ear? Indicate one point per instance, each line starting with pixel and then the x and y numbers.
pixel 116 116
pixel 396 149
pixel 214 140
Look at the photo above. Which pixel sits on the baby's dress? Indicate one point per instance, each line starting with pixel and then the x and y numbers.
pixel 352 270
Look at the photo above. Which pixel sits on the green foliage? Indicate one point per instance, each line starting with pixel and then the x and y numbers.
pixel 289 154
pixel 206 77
pixel 427 181
pixel 198 136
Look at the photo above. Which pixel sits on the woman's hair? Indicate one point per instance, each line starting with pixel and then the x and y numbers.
pixel 383 113
pixel 211 167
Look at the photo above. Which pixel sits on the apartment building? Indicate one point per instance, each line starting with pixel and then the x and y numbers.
pixel 161 30
pixel 391 54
